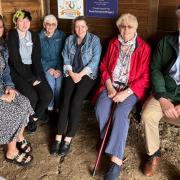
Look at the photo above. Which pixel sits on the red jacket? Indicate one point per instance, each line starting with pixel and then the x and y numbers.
pixel 139 77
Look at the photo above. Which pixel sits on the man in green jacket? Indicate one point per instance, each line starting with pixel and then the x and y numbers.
pixel 165 102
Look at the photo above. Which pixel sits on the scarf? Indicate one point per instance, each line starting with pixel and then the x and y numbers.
pixel 121 71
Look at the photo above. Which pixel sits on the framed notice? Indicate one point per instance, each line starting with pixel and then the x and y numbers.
pixel 102 8
pixel 69 9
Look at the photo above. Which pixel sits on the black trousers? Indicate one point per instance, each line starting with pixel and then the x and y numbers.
pixel 39 96
pixel 70 110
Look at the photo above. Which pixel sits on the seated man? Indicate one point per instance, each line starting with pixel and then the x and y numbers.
pixel 165 102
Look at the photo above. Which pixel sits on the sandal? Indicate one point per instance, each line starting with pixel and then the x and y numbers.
pixel 20 159
pixel 24 146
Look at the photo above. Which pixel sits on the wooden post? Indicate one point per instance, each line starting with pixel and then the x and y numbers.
pixel 153 17
pixel 1 7
pixel 42 7
pixel 45 7
pixel 48 7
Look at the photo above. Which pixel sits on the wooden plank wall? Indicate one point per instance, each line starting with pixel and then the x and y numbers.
pixel 166 15
pixel 106 28
pixel 155 16
pixel 36 7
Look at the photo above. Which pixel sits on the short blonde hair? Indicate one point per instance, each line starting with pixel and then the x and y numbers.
pixel 178 12
pixel 127 18
pixel 50 18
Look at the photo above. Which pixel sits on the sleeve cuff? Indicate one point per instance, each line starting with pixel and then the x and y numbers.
pixel 160 95
pixel 1 93
pixel 88 70
pixel 66 69
pixel 10 86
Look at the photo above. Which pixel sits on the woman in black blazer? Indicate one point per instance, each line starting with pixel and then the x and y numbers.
pixel 26 68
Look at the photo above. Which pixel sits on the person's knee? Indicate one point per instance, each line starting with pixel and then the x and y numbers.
pixel 22 98
pixel 148 117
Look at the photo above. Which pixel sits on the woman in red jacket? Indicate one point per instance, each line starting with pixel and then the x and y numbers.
pixel 124 80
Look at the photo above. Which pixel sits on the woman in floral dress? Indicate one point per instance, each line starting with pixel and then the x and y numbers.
pixel 14 112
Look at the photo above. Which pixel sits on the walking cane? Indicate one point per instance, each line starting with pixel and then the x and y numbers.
pixel 104 138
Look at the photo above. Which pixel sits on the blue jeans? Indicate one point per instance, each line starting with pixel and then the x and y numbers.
pixel 55 84
pixel 120 122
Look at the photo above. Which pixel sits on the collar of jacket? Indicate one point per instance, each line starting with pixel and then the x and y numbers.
pixel 117 43
pixel 55 35
pixel 16 36
pixel 86 40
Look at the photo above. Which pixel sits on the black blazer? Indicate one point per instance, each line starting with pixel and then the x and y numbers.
pixel 15 61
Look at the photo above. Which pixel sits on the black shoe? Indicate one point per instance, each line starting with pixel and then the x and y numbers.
pixel 55 148
pixel 44 119
pixel 32 125
pixel 64 148
pixel 113 172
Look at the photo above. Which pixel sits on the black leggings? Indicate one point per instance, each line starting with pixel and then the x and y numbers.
pixel 70 110
pixel 39 96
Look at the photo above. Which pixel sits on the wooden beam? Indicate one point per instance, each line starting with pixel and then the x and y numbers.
pixel 152 17
pixel 48 7
pixel 42 7
pixel 1 7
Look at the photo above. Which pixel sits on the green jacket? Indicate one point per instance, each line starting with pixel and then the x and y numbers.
pixel 164 57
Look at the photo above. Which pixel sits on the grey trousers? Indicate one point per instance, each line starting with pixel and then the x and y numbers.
pixel 120 124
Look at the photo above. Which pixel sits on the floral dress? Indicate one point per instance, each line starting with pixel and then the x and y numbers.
pixel 13 115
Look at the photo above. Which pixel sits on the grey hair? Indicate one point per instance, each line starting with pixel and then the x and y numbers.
pixel 50 18
pixel 127 18
pixel 178 12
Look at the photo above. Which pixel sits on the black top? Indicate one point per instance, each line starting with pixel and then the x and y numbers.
pixel 17 67
pixel 77 65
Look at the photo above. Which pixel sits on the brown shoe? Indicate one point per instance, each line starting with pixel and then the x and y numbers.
pixel 151 166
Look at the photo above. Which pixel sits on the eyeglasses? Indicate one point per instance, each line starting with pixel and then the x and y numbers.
pixel 126 27
pixel 51 24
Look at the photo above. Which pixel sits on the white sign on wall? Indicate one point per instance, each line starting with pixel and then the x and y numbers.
pixel 69 9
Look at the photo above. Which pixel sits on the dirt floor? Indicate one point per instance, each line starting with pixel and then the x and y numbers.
pixel 79 163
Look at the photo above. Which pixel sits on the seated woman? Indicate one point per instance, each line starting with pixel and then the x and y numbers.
pixel 81 59
pixel 26 69
pixel 124 80
pixel 14 112
pixel 52 42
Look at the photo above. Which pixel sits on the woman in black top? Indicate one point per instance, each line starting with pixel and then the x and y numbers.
pixel 26 68
pixel 81 55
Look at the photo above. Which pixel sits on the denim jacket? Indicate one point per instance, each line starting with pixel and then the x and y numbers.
pixel 5 79
pixel 51 49
pixel 90 52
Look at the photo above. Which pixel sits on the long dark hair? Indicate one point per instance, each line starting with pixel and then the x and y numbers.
pixel 4 33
